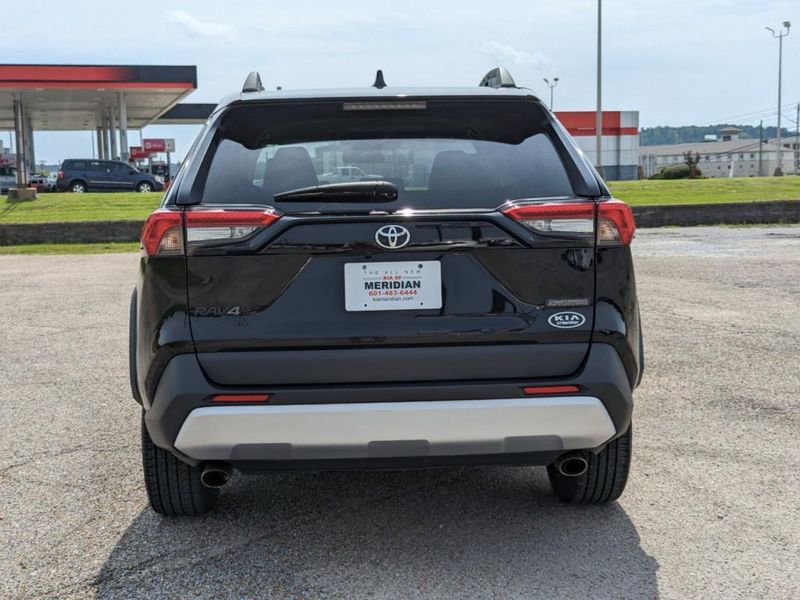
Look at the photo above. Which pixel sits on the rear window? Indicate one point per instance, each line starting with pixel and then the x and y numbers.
pixel 449 154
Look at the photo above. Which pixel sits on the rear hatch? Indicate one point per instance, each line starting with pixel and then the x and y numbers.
pixel 481 268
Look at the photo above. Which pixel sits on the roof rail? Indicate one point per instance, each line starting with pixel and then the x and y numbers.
pixel 252 83
pixel 498 78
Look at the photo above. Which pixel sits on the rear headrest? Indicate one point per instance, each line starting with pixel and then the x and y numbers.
pixel 457 170
pixel 290 169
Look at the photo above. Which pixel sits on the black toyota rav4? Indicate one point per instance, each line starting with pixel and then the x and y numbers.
pixel 475 304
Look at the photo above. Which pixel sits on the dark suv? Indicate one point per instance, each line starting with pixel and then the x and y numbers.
pixel 8 178
pixel 90 175
pixel 476 305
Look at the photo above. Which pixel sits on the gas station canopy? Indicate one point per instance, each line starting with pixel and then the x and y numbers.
pixel 73 98
pixel 108 99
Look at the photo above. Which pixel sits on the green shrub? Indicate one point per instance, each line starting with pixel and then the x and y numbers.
pixel 675 172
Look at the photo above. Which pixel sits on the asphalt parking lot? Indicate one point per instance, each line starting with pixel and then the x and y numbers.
pixel 712 507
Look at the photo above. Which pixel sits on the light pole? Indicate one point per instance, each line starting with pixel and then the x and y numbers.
pixel 599 119
pixel 780 35
pixel 551 85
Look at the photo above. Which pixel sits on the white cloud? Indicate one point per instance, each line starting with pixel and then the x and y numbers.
pixel 199 28
pixel 504 54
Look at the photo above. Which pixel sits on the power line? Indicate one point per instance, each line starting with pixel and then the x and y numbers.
pixel 742 119
pixel 766 111
pixel 790 119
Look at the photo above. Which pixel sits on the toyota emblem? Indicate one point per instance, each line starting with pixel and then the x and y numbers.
pixel 392 237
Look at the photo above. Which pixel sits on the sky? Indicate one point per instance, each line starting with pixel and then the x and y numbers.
pixel 681 62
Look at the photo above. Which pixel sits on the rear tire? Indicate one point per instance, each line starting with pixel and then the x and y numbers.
pixel 604 479
pixel 77 187
pixel 173 487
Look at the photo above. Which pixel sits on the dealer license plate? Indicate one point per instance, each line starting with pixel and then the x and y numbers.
pixel 393 285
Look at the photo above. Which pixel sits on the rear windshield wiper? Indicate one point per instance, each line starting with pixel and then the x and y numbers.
pixel 355 191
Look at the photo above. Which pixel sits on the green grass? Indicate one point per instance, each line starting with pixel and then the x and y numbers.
pixel 110 206
pixel 103 248
pixel 131 205
pixel 706 191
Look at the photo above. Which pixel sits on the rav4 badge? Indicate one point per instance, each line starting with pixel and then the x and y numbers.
pixel 566 320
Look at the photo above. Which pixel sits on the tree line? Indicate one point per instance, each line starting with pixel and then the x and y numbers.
pixel 687 134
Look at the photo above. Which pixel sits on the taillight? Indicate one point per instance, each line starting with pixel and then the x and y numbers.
pixel 162 233
pixel 206 225
pixel 60 175
pixel 163 230
pixel 615 224
pixel 572 218
pixel 577 219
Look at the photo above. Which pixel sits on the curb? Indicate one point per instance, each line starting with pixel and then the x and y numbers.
pixel 731 213
pixel 78 232
pixel 678 215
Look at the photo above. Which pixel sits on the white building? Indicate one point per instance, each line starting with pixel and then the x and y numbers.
pixel 730 157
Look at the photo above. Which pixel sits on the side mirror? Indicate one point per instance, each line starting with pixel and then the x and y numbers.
pixel 131 172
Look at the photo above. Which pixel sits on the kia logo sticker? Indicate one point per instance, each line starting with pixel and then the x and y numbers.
pixel 566 320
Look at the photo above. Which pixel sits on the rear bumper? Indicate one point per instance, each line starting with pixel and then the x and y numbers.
pixel 371 425
pixel 394 429
pixel 377 366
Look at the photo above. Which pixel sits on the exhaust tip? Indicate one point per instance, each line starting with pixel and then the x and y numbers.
pixel 215 475
pixel 572 465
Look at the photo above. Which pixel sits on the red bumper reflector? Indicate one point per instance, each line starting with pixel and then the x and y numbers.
pixel 241 398
pixel 552 389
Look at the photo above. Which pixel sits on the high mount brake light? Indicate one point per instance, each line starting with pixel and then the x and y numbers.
pixel 163 231
pixel 388 105
pixel 615 219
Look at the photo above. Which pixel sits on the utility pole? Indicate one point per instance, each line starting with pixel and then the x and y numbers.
pixel 797 142
pixel 780 36
pixel 551 85
pixel 599 118
pixel 760 147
